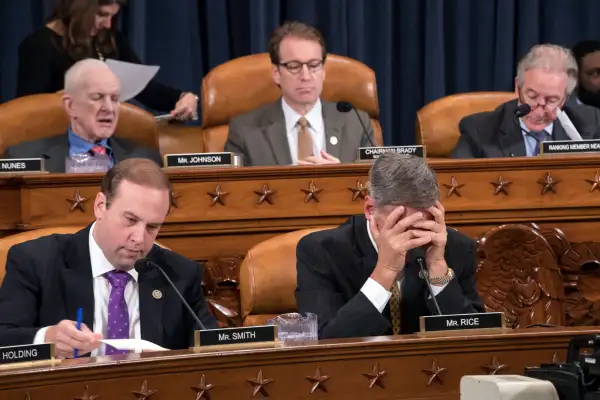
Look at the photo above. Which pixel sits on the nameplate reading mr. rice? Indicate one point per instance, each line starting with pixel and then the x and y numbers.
pixel 453 322
pixel 21 165
pixel 202 160
pixel 249 334
pixel 570 147
pixel 367 154
pixel 26 353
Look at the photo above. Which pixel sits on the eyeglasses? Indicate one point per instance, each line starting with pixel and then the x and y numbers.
pixel 533 98
pixel 294 67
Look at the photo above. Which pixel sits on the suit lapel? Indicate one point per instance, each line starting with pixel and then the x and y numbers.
pixel 276 134
pixel 56 151
pixel 118 152
pixel 511 138
pixel 151 283
pixel 78 290
pixel 558 132
pixel 334 123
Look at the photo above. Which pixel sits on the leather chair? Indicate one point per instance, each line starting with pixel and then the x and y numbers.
pixel 42 115
pixel 244 84
pixel 437 122
pixel 268 278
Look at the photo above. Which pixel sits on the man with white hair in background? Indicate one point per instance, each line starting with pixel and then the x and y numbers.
pixel 91 100
pixel 546 77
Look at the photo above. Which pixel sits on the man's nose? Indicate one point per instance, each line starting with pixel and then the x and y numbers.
pixel 305 73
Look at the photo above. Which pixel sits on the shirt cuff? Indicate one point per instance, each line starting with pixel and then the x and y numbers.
pixel 376 294
pixel 437 289
pixel 40 336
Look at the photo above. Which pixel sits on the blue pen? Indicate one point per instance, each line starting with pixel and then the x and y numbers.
pixel 79 320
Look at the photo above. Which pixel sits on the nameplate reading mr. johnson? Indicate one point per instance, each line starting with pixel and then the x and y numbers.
pixel 453 322
pixel 21 165
pixel 26 353
pixel 570 147
pixel 201 160
pixel 250 334
pixel 372 153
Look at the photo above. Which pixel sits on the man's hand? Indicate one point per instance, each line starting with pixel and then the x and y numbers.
pixel 436 230
pixel 325 158
pixel 393 240
pixel 186 108
pixel 67 338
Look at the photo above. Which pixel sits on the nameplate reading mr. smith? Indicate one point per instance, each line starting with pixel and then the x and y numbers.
pixel 250 334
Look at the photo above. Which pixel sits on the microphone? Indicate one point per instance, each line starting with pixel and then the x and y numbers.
pixel 144 265
pixel 344 107
pixel 522 110
pixel 425 275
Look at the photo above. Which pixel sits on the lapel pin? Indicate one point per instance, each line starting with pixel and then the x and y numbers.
pixel 333 140
pixel 157 294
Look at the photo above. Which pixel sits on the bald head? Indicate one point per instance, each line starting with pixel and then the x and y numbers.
pixel 80 73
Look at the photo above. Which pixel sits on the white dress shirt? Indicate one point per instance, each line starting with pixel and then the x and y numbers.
pixel 376 293
pixel 100 266
pixel 316 128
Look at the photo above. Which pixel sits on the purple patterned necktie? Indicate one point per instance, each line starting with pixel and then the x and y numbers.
pixel 539 137
pixel 118 315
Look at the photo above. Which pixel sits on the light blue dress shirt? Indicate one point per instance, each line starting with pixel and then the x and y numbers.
pixel 78 145
pixel 530 142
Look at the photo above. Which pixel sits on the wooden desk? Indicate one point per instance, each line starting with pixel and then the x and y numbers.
pixel 409 367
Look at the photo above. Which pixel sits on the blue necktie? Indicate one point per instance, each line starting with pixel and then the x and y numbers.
pixel 539 137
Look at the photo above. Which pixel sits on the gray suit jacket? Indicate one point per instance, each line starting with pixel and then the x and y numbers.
pixel 260 135
pixel 55 149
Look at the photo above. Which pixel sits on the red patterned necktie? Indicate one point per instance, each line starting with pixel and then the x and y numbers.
pixel 98 150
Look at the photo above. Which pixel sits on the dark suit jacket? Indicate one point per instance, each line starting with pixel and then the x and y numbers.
pixel 261 138
pixel 49 278
pixel 333 265
pixel 55 149
pixel 498 133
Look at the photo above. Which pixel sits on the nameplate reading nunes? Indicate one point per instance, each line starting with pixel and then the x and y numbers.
pixel 201 160
pixel 570 147
pixel 249 334
pixel 21 165
pixel 26 353
pixel 366 154
pixel 453 322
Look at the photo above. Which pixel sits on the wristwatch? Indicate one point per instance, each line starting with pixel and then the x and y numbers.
pixel 442 280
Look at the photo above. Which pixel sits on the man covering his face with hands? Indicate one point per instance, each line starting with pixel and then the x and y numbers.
pixel 363 278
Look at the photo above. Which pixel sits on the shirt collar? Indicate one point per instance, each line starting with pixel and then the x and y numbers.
pixel 525 130
pixel 314 116
pixel 371 236
pixel 77 144
pixel 100 264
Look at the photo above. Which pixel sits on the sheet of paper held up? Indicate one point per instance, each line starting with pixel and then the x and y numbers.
pixel 133 77
pixel 133 344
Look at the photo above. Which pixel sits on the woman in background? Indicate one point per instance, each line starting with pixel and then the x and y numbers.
pixel 81 29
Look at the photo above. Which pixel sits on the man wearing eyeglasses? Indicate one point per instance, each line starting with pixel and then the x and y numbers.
pixel 299 128
pixel 546 77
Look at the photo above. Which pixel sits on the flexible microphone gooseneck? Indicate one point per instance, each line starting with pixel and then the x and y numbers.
pixel 145 264
pixel 421 262
pixel 344 107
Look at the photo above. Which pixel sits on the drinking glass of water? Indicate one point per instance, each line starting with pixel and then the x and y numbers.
pixel 295 327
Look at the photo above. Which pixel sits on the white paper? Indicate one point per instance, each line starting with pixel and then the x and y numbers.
pixel 132 344
pixel 568 126
pixel 133 77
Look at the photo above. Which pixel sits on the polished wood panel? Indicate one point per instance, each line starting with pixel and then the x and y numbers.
pixel 398 367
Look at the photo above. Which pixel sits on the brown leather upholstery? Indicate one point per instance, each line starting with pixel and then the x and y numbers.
pixel 177 138
pixel 268 278
pixel 244 84
pixel 42 115
pixel 437 122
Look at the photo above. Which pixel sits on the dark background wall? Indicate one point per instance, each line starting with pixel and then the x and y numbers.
pixel 420 49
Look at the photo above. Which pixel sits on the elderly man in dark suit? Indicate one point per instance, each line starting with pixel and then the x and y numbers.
pixel 91 99
pixel 299 128
pixel 363 278
pixel 546 77
pixel 48 279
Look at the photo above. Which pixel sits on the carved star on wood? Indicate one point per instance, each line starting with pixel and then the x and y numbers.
pixel 501 186
pixel 265 195
pixel 548 183
pixel 87 396
pixel 360 191
pixel 595 183
pixel 77 202
pixel 174 198
pixel 375 376
pixel 453 187
pixel 495 366
pixel 259 384
pixel 218 196
pixel 317 379
pixel 311 192
pixel 27 396
pixel 144 393
pixel 203 389
pixel 434 372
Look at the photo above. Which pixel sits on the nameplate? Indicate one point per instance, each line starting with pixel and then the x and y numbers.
pixel 21 165
pixel 26 353
pixel 569 147
pixel 243 335
pixel 453 322
pixel 195 160
pixel 367 154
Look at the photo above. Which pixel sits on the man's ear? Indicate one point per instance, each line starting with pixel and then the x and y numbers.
pixel 276 74
pixel 67 102
pixel 369 207
pixel 100 205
